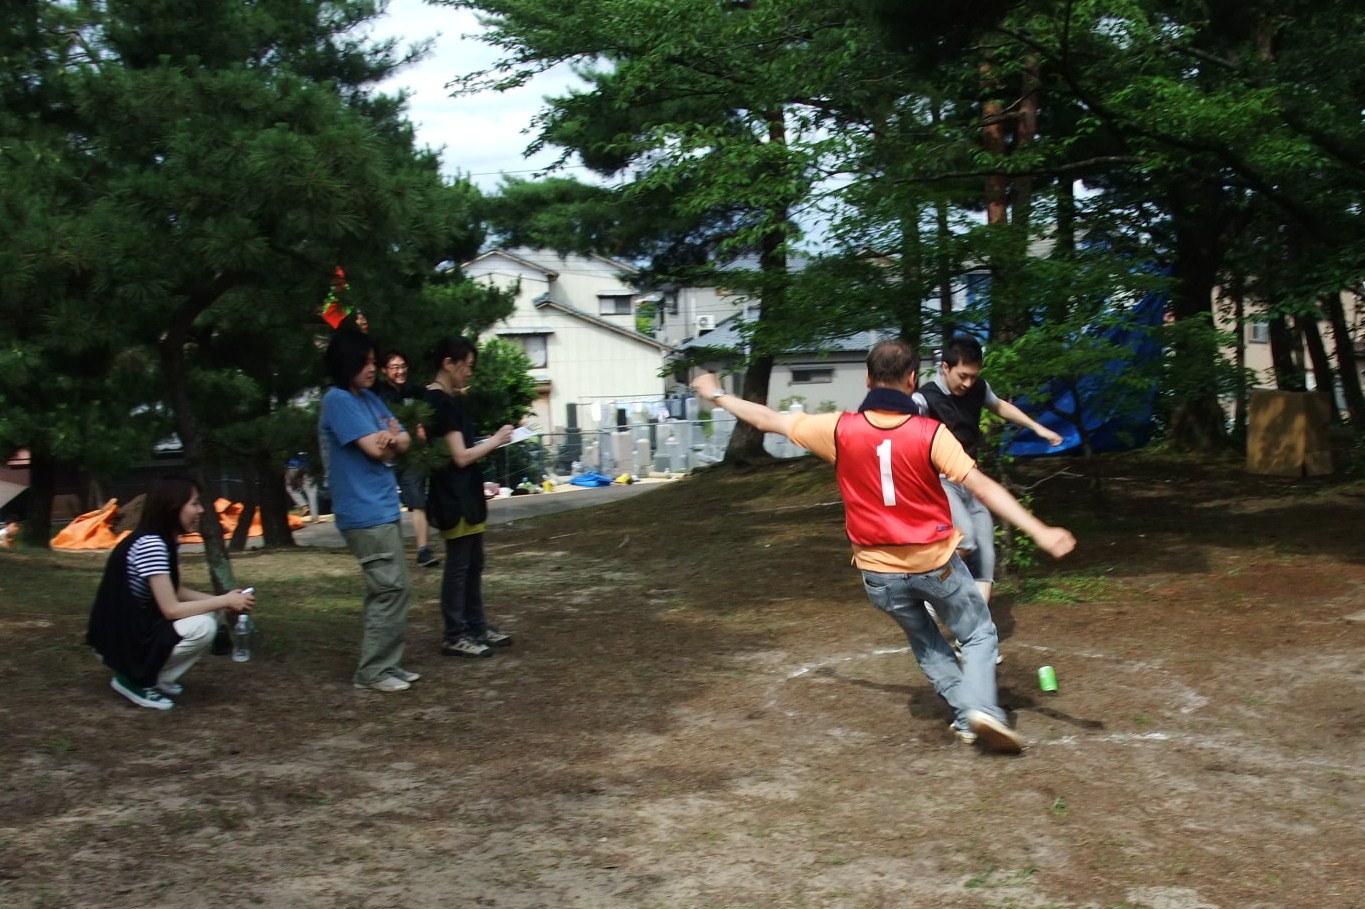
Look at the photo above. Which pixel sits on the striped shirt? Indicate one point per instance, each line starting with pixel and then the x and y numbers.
pixel 147 557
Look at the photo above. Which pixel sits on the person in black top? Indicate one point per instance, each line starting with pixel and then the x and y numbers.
pixel 457 503
pixel 955 397
pixel 393 389
pixel 145 625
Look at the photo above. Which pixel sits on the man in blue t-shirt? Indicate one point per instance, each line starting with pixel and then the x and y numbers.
pixel 361 439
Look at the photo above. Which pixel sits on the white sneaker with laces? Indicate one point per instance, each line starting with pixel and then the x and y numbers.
pixel 492 637
pixel 398 672
pixel 386 684
pixel 465 646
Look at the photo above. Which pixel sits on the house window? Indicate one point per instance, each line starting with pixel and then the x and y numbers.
pixel 812 376
pixel 1258 333
pixel 533 346
pixel 614 304
pixel 978 288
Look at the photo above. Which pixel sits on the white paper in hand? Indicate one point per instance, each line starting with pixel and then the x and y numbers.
pixel 521 434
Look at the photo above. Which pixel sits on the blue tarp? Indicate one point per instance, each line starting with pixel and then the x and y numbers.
pixel 591 479
pixel 1106 433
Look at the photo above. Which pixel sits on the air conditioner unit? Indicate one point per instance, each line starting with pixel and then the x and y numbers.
pixel 706 323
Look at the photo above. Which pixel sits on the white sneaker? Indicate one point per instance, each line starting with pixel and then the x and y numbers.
pixel 465 646
pixel 386 684
pixel 492 637
pixel 398 672
pixel 993 733
pixel 171 688
pixel 965 736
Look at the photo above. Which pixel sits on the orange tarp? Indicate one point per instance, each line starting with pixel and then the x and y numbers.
pixel 94 530
pixel 229 513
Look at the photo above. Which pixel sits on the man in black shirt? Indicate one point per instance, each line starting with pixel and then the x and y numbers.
pixel 956 397
pixel 393 389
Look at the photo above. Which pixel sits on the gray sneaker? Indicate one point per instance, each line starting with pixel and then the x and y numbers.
pixel 398 672
pixel 465 646
pixel 492 637
pixel 386 684
pixel 993 733
pixel 143 697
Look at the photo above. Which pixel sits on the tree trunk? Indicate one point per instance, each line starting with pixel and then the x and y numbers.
pixel 1197 421
pixel 1239 313
pixel 172 350
pixel 997 195
pixel 1317 353
pixel 746 443
pixel 1065 248
pixel 945 270
pixel 993 141
pixel 1284 356
pixel 36 530
pixel 1066 218
pixel 274 502
pixel 1025 131
pixel 250 495
pixel 1347 369
pixel 911 307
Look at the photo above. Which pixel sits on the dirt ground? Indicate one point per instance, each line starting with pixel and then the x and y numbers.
pixel 702 710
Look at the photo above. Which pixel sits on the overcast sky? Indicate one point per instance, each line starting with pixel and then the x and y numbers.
pixel 481 136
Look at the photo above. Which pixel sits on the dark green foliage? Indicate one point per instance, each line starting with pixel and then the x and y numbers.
pixel 186 180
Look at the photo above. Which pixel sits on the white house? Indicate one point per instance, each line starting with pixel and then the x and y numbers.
pixel 575 318
pixel 681 312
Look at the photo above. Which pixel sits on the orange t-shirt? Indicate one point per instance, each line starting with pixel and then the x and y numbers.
pixel 815 432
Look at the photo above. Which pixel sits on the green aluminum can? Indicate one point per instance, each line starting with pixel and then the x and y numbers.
pixel 1047 678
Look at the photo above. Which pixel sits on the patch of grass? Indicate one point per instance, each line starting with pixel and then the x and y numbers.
pixel 61 746
pixel 1142 719
pixel 993 876
pixel 981 879
pixel 1064 589
pixel 1059 807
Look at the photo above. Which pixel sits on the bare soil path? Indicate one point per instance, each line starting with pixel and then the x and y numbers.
pixel 701 710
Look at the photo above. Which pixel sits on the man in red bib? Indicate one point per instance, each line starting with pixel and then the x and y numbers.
pixel 888 461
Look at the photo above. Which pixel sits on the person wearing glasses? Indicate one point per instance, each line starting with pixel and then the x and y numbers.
pixel 393 389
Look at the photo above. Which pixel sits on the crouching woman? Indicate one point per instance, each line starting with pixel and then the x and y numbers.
pixel 145 625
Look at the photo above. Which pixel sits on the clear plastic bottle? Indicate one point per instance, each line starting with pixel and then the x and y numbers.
pixel 241 638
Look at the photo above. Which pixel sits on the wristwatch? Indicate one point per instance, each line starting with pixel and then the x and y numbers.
pixel 719 394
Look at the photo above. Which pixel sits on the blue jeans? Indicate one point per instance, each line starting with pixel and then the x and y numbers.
pixel 462 587
pixel 978 530
pixel 952 592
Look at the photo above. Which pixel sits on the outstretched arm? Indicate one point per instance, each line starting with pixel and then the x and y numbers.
pixel 183 603
pixel 758 416
pixel 1005 410
pixel 1055 541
